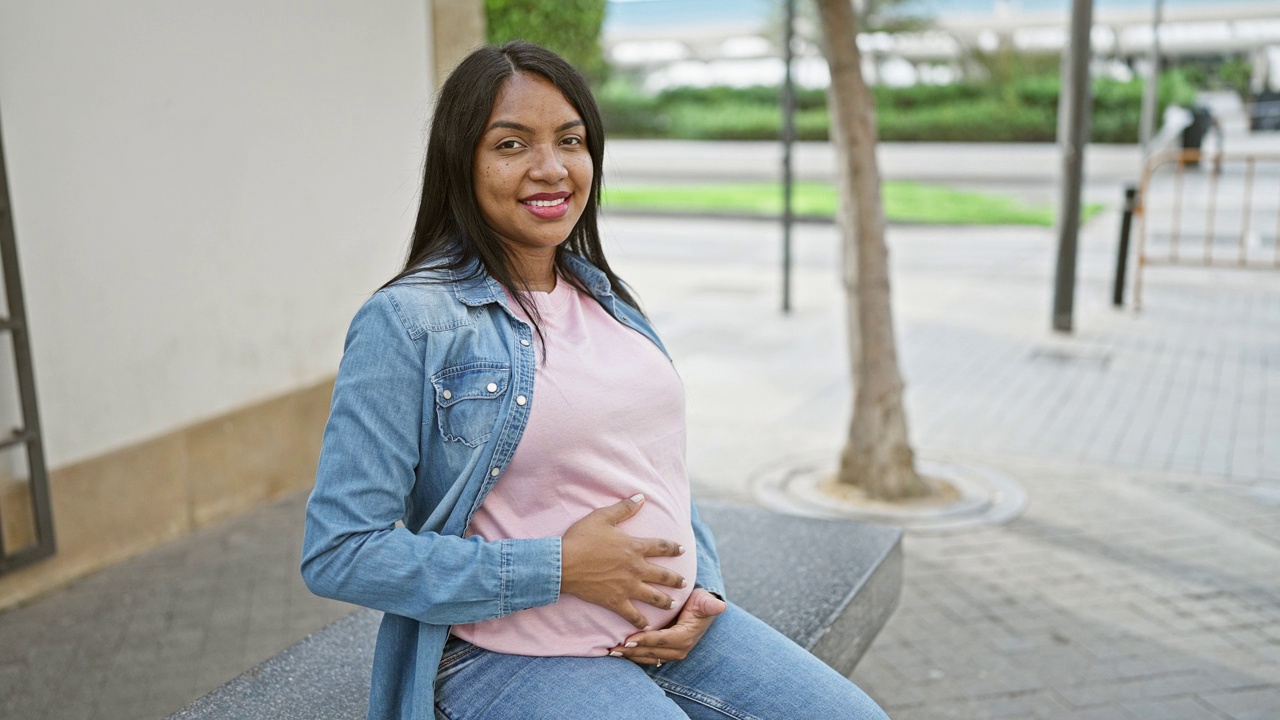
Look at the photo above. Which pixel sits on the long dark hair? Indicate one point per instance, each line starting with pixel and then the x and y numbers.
pixel 450 232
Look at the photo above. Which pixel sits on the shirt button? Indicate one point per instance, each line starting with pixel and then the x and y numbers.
pixel 494 472
pixel 491 387
pixel 447 394
pixel 521 400
pixel 524 342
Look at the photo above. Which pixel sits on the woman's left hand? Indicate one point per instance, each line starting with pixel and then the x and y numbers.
pixel 674 642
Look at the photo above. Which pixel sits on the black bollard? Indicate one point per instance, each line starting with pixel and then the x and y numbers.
pixel 1122 254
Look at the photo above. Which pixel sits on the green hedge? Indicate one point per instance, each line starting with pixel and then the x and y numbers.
pixel 1024 110
pixel 741 121
pixel 982 120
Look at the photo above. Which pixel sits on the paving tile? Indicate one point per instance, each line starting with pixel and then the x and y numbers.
pixel 140 653
pixel 83 710
pixel 1102 713
pixel 1175 709
pixel 1157 686
pixel 1256 704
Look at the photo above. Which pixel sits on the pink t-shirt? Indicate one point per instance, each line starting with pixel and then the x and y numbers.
pixel 606 422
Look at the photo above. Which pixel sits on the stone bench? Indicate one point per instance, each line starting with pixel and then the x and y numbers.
pixel 830 586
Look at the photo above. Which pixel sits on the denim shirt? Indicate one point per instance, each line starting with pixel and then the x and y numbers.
pixel 424 421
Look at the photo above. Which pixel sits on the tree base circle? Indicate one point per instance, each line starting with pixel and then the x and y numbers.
pixel 970 496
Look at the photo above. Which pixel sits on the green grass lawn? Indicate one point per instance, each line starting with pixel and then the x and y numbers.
pixel 904 202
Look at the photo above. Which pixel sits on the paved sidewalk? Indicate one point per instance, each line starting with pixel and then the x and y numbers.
pixel 1140 583
pixel 1117 595
pixel 146 637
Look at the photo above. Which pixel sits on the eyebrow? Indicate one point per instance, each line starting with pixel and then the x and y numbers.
pixel 526 129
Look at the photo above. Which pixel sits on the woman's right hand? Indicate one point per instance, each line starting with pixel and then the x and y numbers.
pixel 607 567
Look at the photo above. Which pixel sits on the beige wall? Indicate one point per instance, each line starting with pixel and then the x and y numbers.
pixel 203 194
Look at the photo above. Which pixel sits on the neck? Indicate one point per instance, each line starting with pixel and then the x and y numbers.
pixel 543 285
pixel 537 271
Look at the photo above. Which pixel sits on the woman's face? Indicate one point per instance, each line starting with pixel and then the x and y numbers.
pixel 532 170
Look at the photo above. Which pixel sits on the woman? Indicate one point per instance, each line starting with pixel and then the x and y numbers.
pixel 503 469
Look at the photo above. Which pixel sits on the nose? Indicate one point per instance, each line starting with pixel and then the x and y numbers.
pixel 548 167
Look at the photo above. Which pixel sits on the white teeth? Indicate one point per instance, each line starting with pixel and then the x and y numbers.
pixel 544 203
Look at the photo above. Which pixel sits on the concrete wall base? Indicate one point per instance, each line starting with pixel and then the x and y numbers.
pixel 117 505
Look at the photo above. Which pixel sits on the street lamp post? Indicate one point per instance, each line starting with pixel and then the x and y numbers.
pixel 1073 136
pixel 788 140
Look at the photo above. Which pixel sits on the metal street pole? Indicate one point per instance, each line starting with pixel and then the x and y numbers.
pixel 1149 91
pixel 788 139
pixel 1073 136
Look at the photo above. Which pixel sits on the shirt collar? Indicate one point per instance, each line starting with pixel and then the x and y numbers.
pixel 474 287
pixel 589 275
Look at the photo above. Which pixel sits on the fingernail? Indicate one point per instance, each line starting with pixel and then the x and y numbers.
pixel 615 653
pixel 671 603
pixel 631 644
pixel 638 497
pixel 683 582
pixel 680 548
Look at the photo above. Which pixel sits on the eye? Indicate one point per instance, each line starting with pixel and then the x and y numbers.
pixel 572 140
pixel 508 144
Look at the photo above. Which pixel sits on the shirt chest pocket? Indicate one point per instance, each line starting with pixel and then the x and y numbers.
pixel 468 399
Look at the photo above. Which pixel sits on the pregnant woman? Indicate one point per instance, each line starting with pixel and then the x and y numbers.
pixel 503 470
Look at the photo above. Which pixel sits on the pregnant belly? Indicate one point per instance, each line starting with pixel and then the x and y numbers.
pixel 573 627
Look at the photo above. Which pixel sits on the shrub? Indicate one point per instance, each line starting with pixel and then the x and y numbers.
pixel 569 27
pixel 1235 74
pixel 629 113
pixel 1176 89
pixel 1024 109
pixel 987 120
pixel 806 98
pixel 928 95
pixel 742 121
pixel 1037 91
pixel 726 121
pixel 1116 126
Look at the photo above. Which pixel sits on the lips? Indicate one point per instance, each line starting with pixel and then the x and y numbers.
pixel 547 206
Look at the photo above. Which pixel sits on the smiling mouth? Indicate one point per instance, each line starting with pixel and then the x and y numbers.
pixel 545 203
pixel 547 206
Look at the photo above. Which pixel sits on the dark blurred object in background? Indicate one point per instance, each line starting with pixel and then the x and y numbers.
pixel 1265 111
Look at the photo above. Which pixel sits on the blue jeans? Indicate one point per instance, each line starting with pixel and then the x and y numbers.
pixel 741 669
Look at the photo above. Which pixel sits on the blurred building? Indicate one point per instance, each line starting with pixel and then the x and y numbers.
pixel 202 195
pixel 737 42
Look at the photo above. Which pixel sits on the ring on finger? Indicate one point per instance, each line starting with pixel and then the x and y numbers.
pixel 659 663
